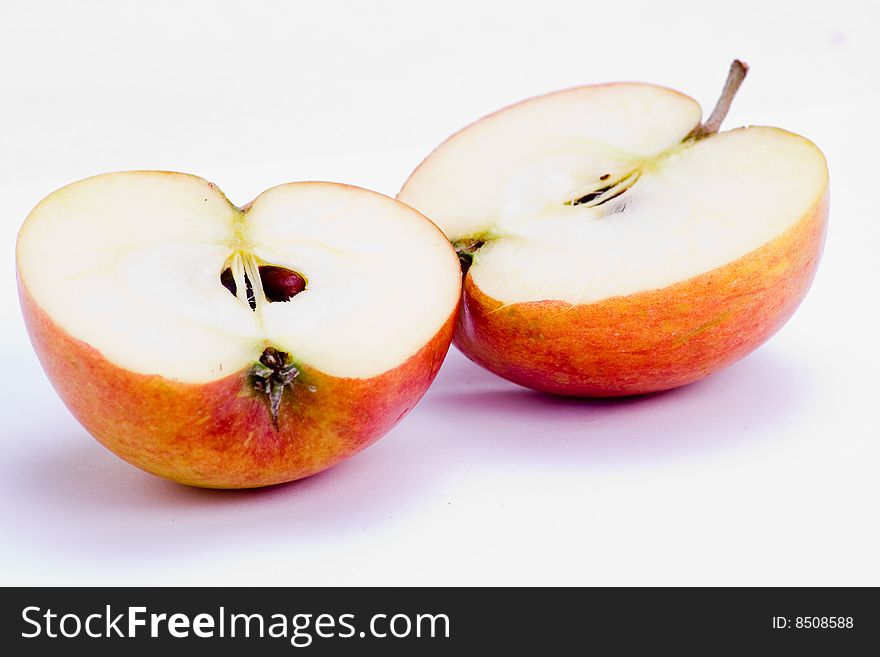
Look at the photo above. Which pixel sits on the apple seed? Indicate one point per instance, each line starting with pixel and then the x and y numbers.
pixel 281 284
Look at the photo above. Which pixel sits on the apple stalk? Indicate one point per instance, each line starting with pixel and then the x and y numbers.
pixel 735 77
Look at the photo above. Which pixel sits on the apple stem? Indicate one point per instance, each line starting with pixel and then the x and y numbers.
pixel 735 77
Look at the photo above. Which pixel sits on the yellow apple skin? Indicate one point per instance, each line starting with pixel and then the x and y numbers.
pixel 649 341
pixel 220 434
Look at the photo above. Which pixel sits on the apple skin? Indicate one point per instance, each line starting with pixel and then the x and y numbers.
pixel 648 341
pixel 220 434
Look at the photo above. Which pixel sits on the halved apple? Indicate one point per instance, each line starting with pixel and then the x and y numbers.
pixel 614 245
pixel 227 347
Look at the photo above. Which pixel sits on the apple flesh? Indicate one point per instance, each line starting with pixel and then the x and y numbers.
pixel 227 347
pixel 614 245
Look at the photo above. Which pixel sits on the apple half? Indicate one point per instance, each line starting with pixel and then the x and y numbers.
pixel 615 245
pixel 235 347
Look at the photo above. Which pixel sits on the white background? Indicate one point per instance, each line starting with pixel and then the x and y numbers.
pixel 763 474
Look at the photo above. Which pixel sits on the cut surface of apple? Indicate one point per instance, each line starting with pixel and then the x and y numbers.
pixel 292 332
pixel 589 220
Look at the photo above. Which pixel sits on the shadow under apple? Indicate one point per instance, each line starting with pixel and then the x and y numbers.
pixel 80 498
pixel 488 418
pixel 88 501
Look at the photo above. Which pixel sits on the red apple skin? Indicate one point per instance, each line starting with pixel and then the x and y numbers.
pixel 649 341
pixel 220 434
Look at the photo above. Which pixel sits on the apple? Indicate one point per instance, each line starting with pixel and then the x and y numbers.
pixel 233 347
pixel 614 244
